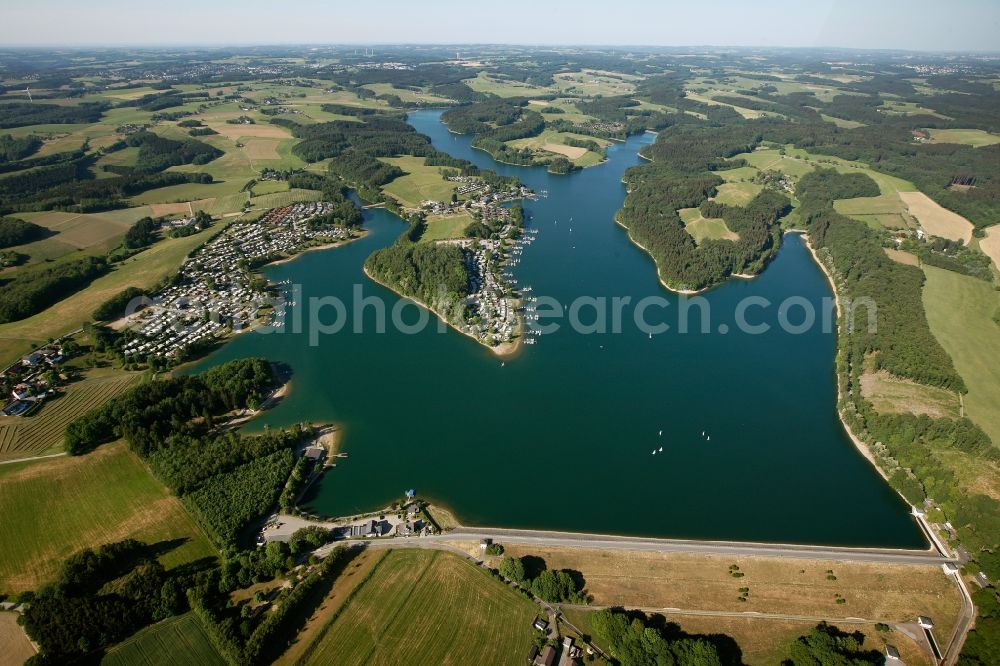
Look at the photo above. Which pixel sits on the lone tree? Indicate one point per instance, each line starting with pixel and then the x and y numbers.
pixel 512 568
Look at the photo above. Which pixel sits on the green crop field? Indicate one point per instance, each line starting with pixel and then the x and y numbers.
pixel 960 311
pixel 884 211
pixel 428 607
pixel 444 227
pixel 421 182
pixel 55 507
pixel 143 270
pixel 42 431
pixel 177 640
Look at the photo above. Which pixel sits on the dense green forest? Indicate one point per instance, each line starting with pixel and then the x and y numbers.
pixel 23 114
pixel 430 273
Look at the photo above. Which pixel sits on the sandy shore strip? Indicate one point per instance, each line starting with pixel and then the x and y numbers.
pixel 504 350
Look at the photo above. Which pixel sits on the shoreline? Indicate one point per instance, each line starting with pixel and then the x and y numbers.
pixel 858 443
pixel 313 248
pixel 504 350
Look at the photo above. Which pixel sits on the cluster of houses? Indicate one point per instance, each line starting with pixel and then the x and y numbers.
pixel 28 382
pixel 483 198
pixel 217 290
pixel 491 313
pixel 568 655
pixel 599 127
pixel 493 316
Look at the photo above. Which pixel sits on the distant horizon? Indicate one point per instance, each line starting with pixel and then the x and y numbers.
pixel 919 26
pixel 539 45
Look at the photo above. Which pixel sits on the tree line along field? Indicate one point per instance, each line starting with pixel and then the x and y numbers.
pixel 55 507
pixel 426 607
pixel 42 431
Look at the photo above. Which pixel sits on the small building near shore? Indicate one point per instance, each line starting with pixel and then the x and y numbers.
pixel 891 653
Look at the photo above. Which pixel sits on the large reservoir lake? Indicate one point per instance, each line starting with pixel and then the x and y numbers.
pixel 560 436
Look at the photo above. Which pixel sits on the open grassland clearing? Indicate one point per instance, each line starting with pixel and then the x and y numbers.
pixel 936 219
pixel 592 83
pixel 422 606
pixel 704 228
pixel 877 592
pixel 960 311
pixel 176 640
pixel 165 210
pixel 262 149
pixel 902 257
pixel 42 431
pixel 772 159
pixel 406 94
pixel 193 191
pixel 14 644
pixel 970 137
pixel 503 87
pixel 554 142
pixel 258 130
pixel 894 395
pixel 884 211
pixel 52 508
pixel 143 270
pixel 421 182
pixel 82 231
pixel 348 580
pixel 446 227
pixel 898 108
pixel 887 184
pixel 990 245
pixel 737 194
pixel 743 111
pixel 286 198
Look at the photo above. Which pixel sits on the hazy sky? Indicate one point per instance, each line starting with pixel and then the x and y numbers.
pixel 893 24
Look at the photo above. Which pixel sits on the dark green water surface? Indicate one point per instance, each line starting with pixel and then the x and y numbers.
pixel 560 437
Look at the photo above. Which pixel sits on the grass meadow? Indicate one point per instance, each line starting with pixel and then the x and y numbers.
pixel 427 607
pixel 176 640
pixel 960 311
pixel 55 507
